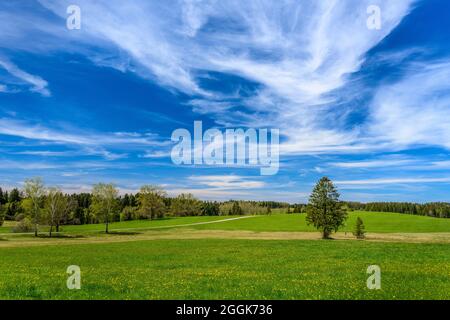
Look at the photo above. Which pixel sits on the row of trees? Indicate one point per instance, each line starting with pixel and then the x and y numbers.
pixel 37 204
pixel 40 205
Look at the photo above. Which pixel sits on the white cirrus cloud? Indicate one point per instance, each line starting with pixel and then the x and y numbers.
pixel 36 131
pixel 372 164
pixel 386 181
pixel 227 182
pixel 37 84
pixel 299 55
pixel 414 111
pixel 297 52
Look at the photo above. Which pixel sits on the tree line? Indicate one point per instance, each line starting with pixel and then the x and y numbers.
pixel 35 204
pixel 432 209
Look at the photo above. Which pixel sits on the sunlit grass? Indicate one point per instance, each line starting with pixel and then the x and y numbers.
pixel 375 222
pixel 227 269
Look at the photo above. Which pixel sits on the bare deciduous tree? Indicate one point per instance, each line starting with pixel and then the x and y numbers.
pixel 34 190
pixel 104 203
pixel 151 201
pixel 56 207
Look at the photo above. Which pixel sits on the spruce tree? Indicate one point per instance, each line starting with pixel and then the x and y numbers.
pixel 236 209
pixel 324 211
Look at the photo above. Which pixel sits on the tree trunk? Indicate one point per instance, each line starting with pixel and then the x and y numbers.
pixel 35 220
pixel 51 229
pixel 57 228
pixel 107 226
pixel 325 234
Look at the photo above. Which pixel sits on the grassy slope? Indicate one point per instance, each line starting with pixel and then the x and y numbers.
pixel 130 224
pixel 228 269
pixel 374 222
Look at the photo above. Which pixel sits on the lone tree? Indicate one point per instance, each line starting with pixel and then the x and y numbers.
pixel 104 202
pixel 35 191
pixel 324 210
pixel 359 232
pixel 151 202
pixel 54 207
pixel 57 207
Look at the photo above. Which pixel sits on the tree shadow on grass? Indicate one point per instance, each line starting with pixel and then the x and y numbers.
pixel 329 239
pixel 61 236
pixel 121 233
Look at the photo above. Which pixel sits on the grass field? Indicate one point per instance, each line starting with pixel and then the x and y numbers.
pixel 229 260
pixel 228 269
pixel 374 221
pixel 125 225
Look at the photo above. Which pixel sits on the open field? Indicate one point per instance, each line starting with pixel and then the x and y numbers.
pixel 227 269
pixel 377 222
pixel 256 257
pixel 374 222
pixel 135 224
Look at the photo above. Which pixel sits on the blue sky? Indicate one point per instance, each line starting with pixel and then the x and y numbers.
pixel 368 108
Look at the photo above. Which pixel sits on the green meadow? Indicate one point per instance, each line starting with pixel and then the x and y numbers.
pixel 379 222
pixel 374 222
pixel 160 260
pixel 227 269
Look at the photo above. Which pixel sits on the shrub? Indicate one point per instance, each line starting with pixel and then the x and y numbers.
pixel 128 213
pixel 24 225
pixel 19 217
pixel 359 229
